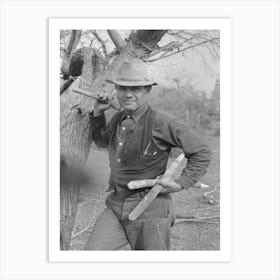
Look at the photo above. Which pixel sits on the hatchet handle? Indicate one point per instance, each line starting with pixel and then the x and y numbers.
pixel 87 93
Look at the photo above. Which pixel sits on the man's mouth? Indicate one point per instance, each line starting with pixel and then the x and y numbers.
pixel 128 101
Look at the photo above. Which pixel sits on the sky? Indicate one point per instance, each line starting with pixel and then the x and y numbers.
pixel 187 68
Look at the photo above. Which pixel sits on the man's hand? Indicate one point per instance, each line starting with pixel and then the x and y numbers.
pixel 101 105
pixel 169 186
pixel 104 103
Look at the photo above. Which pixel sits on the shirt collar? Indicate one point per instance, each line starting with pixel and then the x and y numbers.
pixel 137 114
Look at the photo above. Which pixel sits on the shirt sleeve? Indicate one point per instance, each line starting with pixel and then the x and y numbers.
pixel 172 132
pixel 100 132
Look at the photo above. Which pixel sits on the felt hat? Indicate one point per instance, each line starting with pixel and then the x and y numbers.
pixel 132 73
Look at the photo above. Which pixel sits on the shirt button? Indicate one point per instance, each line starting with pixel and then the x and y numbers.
pixel 118 160
pixel 120 143
pixel 128 117
pixel 123 128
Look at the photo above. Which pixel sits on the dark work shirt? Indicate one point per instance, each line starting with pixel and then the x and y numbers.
pixel 168 132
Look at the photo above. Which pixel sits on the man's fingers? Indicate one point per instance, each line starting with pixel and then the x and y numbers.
pixel 115 103
pixel 102 104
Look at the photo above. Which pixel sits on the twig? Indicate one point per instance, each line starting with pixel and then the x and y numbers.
pixel 207 208
pixel 168 47
pixel 90 224
pixel 91 42
pixel 215 188
pixel 82 231
pixel 196 217
pixel 183 49
pixel 198 220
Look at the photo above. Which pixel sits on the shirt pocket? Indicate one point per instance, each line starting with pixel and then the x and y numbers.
pixel 149 151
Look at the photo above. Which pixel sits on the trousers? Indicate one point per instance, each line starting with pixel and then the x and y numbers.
pixel 150 231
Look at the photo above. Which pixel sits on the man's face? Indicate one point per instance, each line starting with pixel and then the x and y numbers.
pixel 132 98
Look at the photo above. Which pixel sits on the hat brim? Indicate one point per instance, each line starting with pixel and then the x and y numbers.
pixel 132 83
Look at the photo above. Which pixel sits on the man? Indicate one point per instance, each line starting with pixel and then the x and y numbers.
pixel 139 140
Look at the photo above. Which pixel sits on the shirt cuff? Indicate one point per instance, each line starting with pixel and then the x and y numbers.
pixel 92 117
pixel 185 182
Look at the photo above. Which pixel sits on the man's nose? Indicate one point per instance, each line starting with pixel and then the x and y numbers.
pixel 128 93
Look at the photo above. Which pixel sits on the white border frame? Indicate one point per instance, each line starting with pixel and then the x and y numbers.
pixel 224 254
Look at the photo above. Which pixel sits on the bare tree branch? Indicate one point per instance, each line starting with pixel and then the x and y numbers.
pixel 206 65
pixel 101 41
pixel 214 49
pixel 196 36
pixel 197 220
pixel 91 222
pixel 91 41
pixel 212 191
pixel 74 40
pixel 165 55
pixel 147 38
pixel 67 52
pixel 117 40
pixel 168 47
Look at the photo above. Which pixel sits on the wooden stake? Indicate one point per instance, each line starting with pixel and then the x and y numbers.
pixel 153 193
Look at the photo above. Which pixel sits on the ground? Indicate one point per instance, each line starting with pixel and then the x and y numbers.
pixel 198 213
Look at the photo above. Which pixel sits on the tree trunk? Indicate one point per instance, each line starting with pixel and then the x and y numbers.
pixel 75 142
pixel 76 134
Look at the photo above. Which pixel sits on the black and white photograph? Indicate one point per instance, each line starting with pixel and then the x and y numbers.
pixel 140 139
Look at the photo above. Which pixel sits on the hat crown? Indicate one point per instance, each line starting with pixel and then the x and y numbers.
pixel 132 72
